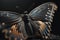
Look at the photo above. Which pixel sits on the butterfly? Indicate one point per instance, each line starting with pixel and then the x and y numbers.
pixel 39 18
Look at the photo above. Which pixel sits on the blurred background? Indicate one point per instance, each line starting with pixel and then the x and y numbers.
pixel 22 6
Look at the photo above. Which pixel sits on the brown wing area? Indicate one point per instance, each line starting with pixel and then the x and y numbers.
pixel 14 32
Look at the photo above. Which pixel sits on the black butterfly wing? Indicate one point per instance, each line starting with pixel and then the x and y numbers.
pixel 7 19
pixel 44 13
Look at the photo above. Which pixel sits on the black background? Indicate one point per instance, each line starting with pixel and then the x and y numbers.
pixel 27 5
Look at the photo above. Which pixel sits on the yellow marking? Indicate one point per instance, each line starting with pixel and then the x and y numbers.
pixel 42 25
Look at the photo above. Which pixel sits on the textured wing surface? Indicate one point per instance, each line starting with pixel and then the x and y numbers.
pixel 7 19
pixel 43 14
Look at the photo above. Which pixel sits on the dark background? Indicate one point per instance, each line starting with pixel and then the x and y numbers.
pixel 27 5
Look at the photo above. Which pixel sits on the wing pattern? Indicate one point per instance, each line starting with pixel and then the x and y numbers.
pixel 44 14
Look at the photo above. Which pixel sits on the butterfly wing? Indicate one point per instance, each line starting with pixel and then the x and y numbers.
pixel 43 14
